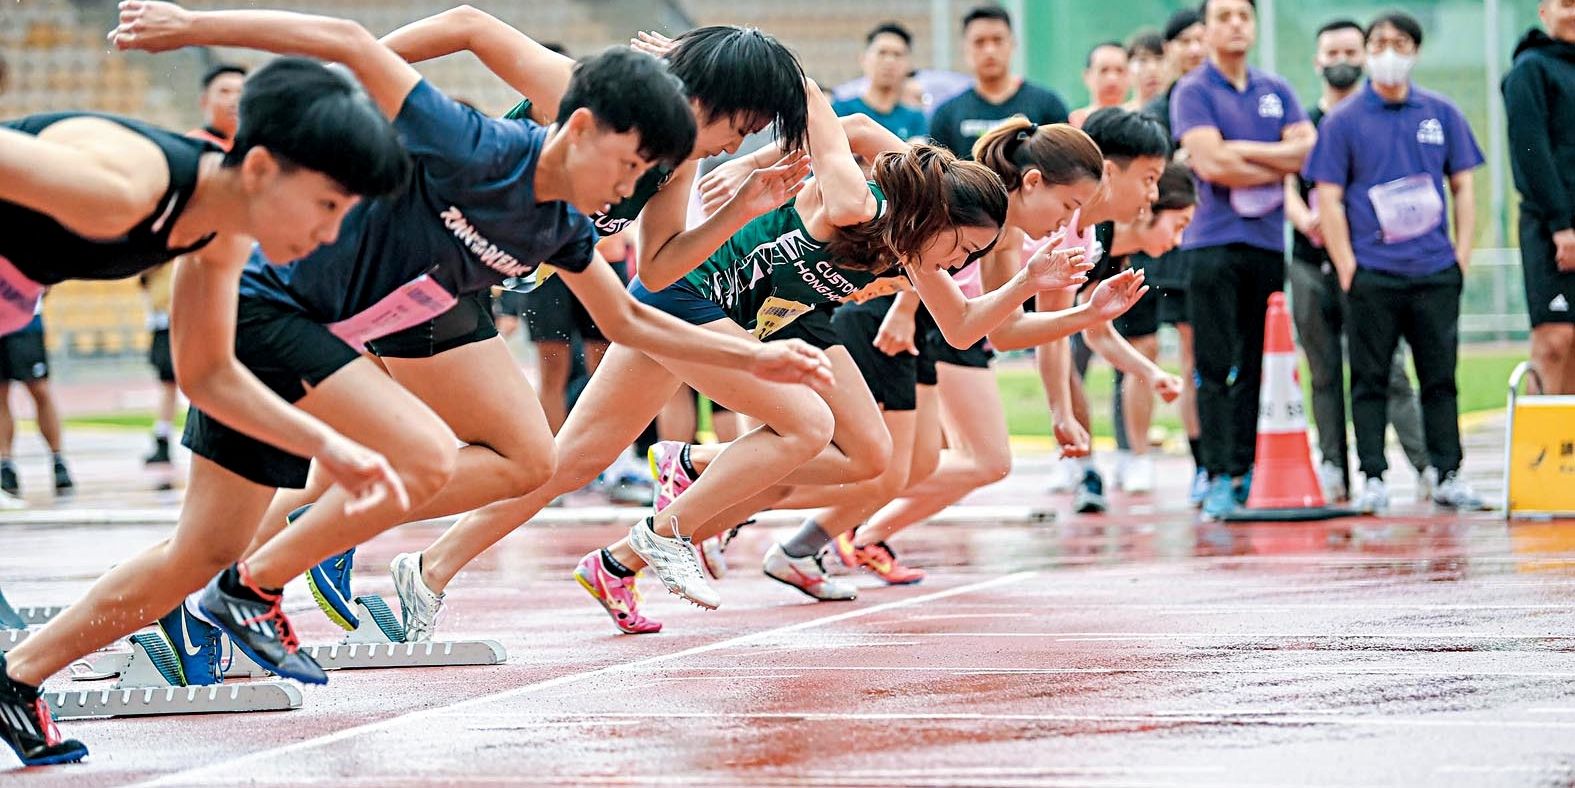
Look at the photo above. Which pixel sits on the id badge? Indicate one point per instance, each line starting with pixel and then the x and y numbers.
pixel 1256 202
pixel 776 313
pixel 417 302
pixel 1408 208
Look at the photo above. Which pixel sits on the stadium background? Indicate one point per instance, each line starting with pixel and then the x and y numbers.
pixel 58 60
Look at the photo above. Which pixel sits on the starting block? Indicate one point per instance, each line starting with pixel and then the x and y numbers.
pixel 22 617
pixel 379 642
pixel 150 685
pixel 1539 456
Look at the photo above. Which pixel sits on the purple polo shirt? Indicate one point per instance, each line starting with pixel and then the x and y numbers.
pixel 1366 142
pixel 1205 98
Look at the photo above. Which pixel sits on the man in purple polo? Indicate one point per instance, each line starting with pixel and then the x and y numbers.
pixel 1243 131
pixel 1381 165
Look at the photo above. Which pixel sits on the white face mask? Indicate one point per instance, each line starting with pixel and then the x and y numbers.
pixel 1391 68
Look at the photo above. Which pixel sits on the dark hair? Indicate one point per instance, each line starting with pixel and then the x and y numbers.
pixel 1147 40
pixel 1179 22
pixel 308 116
pixel 1399 20
pixel 1088 62
pixel 553 46
pixel 1176 189
pixel 1338 25
pixel 988 11
pixel 220 70
pixel 928 191
pixel 741 72
pixel 1125 135
pixel 1203 8
pixel 890 28
pixel 625 89
pixel 1062 154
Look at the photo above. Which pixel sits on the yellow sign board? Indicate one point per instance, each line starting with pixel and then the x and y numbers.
pixel 1541 473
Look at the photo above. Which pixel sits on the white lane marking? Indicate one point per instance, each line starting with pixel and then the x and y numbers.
pixel 1231 671
pixel 229 766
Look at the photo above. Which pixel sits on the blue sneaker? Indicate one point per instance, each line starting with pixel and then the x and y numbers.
pixel 330 584
pixel 1243 488
pixel 1200 488
pixel 1221 499
pixel 197 647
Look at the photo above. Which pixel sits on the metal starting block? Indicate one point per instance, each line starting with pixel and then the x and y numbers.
pixel 11 638
pixel 379 642
pixel 150 685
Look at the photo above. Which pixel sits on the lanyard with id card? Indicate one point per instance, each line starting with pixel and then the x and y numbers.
pixel 1407 208
pixel 1256 202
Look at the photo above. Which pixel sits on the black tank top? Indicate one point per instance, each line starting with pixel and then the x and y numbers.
pixel 48 253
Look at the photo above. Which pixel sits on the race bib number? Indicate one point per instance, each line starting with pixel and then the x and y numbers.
pixel 413 304
pixel 1408 208
pixel 1255 202
pixel 885 286
pixel 776 313
pixel 19 297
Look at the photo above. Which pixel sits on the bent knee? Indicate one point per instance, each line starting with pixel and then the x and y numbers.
pixel 426 467
pixel 992 469
pixel 528 474
pixel 807 427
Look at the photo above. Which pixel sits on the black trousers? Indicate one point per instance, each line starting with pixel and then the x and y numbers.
pixel 1226 303
pixel 1425 310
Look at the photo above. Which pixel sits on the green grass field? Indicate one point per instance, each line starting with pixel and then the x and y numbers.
pixel 1483 374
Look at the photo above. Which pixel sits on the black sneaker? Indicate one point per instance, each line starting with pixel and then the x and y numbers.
pixel 9 483
pixel 161 453
pixel 259 628
pixel 63 483
pixel 28 728
pixel 1090 496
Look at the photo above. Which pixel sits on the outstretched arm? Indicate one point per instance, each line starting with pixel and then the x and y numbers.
pixel 153 26
pixel 94 177
pixel 533 70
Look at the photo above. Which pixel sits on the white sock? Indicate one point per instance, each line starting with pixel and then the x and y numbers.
pixel 161 429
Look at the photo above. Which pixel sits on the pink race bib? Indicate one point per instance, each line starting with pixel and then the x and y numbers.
pixel 1407 208
pixel 18 297
pixel 413 304
pixel 1255 202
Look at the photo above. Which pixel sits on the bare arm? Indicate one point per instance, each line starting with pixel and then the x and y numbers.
pixel 1336 231
pixel 1286 156
pixel 533 70
pixel 1297 210
pixel 845 199
pixel 94 177
pixel 158 27
pixel 1465 198
pixel 1216 162
pixel 1054 361
pixel 1110 346
pixel 962 320
pixel 1041 328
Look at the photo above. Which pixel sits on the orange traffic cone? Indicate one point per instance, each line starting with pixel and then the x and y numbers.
pixel 1284 484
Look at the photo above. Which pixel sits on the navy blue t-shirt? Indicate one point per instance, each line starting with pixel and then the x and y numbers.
pixel 469 217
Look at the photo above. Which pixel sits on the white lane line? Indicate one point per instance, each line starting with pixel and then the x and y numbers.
pixel 1230 671
pixel 229 766
pixel 1223 635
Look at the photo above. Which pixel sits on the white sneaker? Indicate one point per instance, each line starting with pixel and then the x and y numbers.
pixel 673 560
pixel 10 502
pixel 1066 475
pixel 420 605
pixel 1374 498
pixel 807 575
pixel 1456 494
pixel 1124 460
pixel 1426 483
pixel 1139 479
pixel 1332 479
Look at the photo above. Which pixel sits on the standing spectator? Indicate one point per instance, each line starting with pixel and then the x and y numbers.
pixel 1539 96
pixel 1146 63
pixel 1317 304
pixel 220 102
pixel 1169 275
pixel 887 61
pixel 1243 131
pixel 997 93
pixel 1107 75
pixel 1380 168
pixel 24 359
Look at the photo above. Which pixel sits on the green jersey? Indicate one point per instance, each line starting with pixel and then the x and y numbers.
pixel 772 271
pixel 618 217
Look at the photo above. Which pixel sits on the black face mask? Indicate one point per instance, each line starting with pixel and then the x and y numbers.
pixel 1342 75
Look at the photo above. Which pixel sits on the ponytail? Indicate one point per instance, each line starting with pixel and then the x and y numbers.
pixel 1062 154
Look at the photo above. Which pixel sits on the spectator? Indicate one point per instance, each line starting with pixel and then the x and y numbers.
pixel 1317 304
pixel 997 93
pixel 887 62
pixel 1243 131
pixel 1107 75
pixel 1146 59
pixel 220 102
pixel 1539 97
pixel 1184 52
pixel 24 359
pixel 1380 170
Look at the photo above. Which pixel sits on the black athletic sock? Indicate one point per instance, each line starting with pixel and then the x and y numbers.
pixel 807 542
pixel 1196 444
pixel 230 583
pixel 29 692
pixel 683 462
pixel 614 566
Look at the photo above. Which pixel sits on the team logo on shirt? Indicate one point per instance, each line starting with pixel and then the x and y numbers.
pixel 1270 106
pixel 489 254
pixel 1430 132
pixel 1559 304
